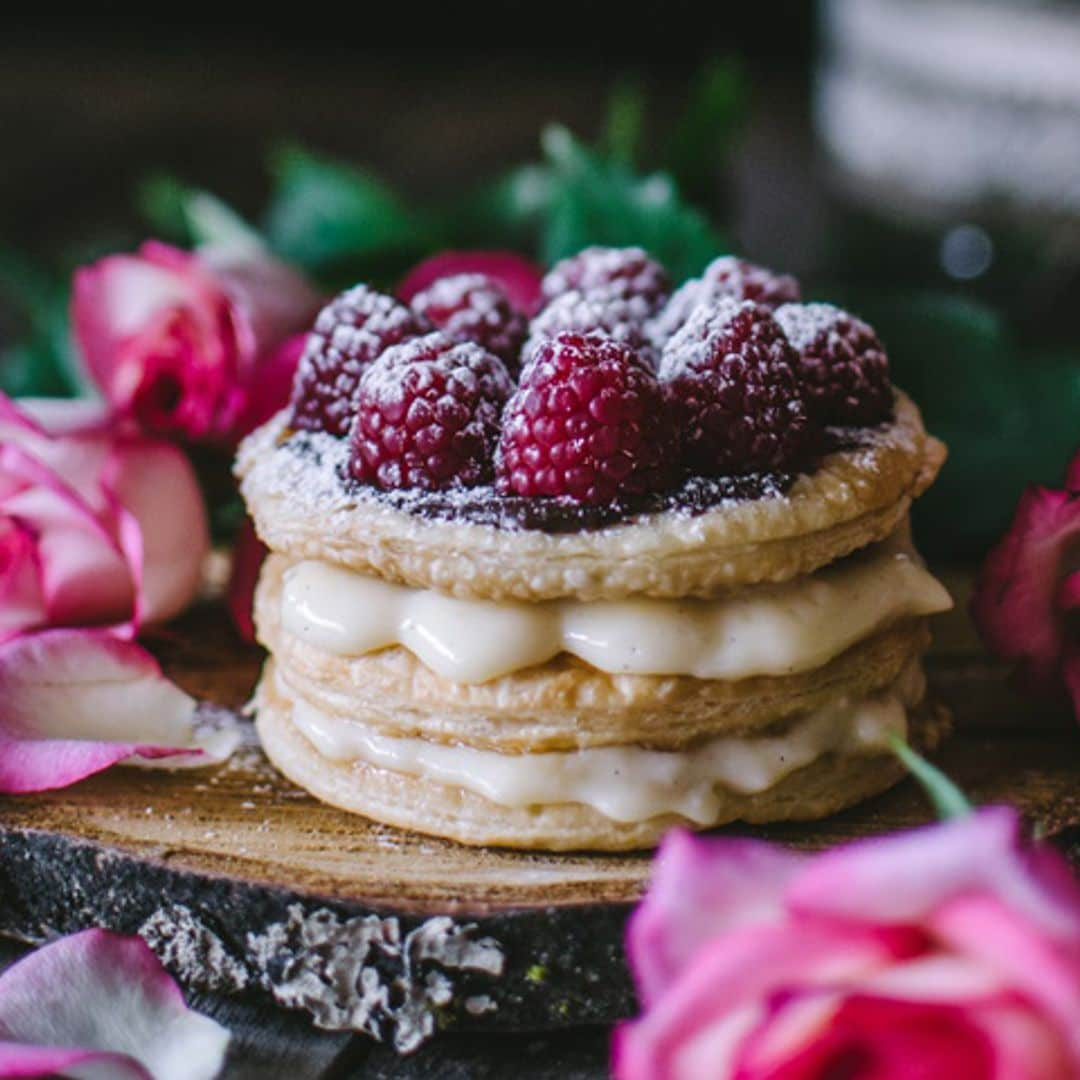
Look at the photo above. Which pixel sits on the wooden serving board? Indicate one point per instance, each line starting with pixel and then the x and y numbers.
pixel 245 885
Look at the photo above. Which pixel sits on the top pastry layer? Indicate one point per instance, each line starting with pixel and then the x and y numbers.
pixel 304 506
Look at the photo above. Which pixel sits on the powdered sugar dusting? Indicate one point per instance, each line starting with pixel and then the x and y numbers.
pixel 804 323
pixel 690 349
pixel 726 277
pixel 464 362
pixel 611 272
pixel 620 318
pixel 349 333
pixel 471 307
pixel 311 471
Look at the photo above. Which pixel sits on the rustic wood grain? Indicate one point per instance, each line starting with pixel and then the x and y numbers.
pixel 214 856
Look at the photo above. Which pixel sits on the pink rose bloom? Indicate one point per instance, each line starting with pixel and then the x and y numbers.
pixel 182 342
pixel 1027 597
pixel 96 528
pixel 948 952
pixel 100 531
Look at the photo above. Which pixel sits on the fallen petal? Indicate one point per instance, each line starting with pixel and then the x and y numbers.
pixel 74 702
pixel 102 1003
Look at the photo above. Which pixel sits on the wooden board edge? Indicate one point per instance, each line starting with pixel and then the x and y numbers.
pixel 398 977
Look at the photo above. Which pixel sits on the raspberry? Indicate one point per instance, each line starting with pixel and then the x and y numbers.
pixel 349 333
pixel 471 307
pixel 731 375
pixel 620 318
pixel 609 272
pixel 587 421
pixel 727 277
pixel 842 365
pixel 428 415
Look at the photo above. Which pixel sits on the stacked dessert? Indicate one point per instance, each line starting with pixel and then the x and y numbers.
pixel 564 574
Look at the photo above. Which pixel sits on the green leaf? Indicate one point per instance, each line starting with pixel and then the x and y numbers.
pixel 215 223
pixel 597 201
pixel 192 217
pixel 625 121
pixel 323 214
pixel 504 212
pixel 704 136
pixel 42 363
pixel 949 801
pixel 1012 424
pixel 161 200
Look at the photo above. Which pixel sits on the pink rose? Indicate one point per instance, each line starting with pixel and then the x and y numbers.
pixel 947 952
pixel 96 528
pixel 1027 597
pixel 181 341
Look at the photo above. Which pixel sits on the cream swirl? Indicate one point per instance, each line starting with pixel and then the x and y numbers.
pixel 762 630
pixel 629 783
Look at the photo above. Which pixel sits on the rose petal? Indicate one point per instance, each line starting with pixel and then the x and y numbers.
pixel 701 887
pixel 50 417
pixel 102 1002
pixel 519 277
pixel 1045 971
pixel 874 880
pixel 119 519
pixel 270 302
pixel 22 601
pixel 887 1039
pixel 19 1060
pixel 270 390
pixel 83 571
pixel 1015 604
pixel 248 555
pixel 154 490
pixel 74 702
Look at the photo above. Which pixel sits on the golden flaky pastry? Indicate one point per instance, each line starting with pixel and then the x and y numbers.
pixel 303 508
pixel 830 784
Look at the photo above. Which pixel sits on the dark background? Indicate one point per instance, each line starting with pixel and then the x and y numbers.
pixel 432 97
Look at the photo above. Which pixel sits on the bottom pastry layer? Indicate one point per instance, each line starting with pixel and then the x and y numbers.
pixel 607 799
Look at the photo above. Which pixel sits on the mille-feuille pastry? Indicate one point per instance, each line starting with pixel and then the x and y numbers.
pixel 643 560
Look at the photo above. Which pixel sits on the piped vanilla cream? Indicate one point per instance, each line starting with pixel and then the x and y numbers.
pixel 629 783
pixel 762 630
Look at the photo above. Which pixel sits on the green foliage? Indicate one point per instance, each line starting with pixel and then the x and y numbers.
pixel 596 200
pixel 705 135
pixel 190 216
pixel 1007 413
pixel 579 194
pixel 332 219
pixel 625 124
pixel 42 363
pixel 161 200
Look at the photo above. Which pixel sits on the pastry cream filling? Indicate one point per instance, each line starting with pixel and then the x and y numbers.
pixel 763 630
pixel 628 783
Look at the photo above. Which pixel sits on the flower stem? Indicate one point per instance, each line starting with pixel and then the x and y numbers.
pixel 948 800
